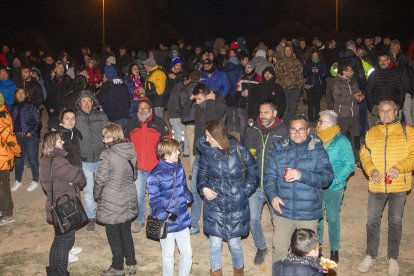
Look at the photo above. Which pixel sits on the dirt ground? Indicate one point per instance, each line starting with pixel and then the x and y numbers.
pixel 24 244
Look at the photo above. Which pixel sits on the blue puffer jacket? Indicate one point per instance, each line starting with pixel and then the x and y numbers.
pixel 302 199
pixel 7 88
pixel 233 72
pixel 161 195
pixel 217 82
pixel 342 161
pixel 228 215
pixel 29 118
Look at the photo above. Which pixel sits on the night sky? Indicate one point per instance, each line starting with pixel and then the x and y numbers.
pixel 139 24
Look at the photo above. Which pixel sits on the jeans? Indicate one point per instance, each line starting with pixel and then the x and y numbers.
pixel 376 204
pixel 196 206
pixel 121 122
pixel 242 116
pixel 283 229
pixel 236 250
pixel 6 201
pixel 183 240
pixel 292 101
pixel 59 252
pixel 122 245
pixel 408 109
pixel 256 202
pixel 141 186
pixel 30 148
pixel 89 170
pixel 314 102
pixel 331 202
pixel 180 134
pixel 190 137
pixel 351 125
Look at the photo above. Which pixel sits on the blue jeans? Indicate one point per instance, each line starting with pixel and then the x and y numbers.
pixel 30 148
pixel 168 249
pixel 256 202
pixel 331 202
pixel 89 170
pixel 196 207
pixel 180 133
pixel 141 186
pixel 236 250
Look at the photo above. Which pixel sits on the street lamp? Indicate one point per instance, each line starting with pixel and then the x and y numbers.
pixel 103 23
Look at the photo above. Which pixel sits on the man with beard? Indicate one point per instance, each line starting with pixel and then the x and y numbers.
pixel 267 90
pixel 144 131
pixel 216 80
pixel 32 86
pixel 267 129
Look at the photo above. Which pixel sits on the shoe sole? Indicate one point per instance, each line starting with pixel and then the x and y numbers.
pixel 7 222
pixel 75 252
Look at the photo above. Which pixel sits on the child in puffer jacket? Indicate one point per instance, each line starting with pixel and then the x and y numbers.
pixel 169 196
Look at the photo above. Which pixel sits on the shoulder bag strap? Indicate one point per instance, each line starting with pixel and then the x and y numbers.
pixel 51 179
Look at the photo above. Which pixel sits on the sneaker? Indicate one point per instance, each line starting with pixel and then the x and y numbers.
pixel 75 250
pixel 16 186
pixel 194 230
pixel 6 219
pixel 132 269
pixel 72 258
pixel 112 272
pixel 260 256
pixel 393 269
pixel 33 186
pixel 91 225
pixel 366 264
pixel 137 227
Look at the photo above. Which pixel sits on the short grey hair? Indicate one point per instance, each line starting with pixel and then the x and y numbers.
pixel 388 102
pixel 332 116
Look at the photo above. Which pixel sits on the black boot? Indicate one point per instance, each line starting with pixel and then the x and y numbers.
pixel 335 256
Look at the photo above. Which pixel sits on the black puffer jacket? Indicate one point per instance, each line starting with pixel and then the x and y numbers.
pixel 72 138
pixel 34 91
pixel 115 99
pixel 228 215
pixel 56 91
pixel 408 79
pixel 385 84
pixel 349 57
pixel 114 184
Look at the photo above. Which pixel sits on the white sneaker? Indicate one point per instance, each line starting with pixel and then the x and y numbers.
pixel 73 258
pixel 16 186
pixel 75 250
pixel 366 264
pixel 393 269
pixel 33 186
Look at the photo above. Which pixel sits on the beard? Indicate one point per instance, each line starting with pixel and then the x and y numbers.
pixel 143 117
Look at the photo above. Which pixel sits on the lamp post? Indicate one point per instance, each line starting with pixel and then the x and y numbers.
pixel 103 23
pixel 337 13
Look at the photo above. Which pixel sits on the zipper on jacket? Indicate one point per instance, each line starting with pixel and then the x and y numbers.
pixel 385 156
pixel 264 143
pixel 352 103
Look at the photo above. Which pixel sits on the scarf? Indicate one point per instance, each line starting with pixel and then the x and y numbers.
pixel 328 134
pixel 315 60
pixel 306 260
pixel 137 85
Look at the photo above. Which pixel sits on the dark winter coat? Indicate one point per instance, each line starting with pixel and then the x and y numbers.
pixel 114 188
pixel 165 199
pixel 56 92
pixel 250 82
pixel 72 138
pixel 66 179
pixel 34 91
pixel 233 72
pixel 228 215
pixel 349 58
pixel 174 107
pixel 408 79
pixel 345 103
pixel 115 99
pixel 298 266
pixel 302 198
pixel 90 126
pixel 316 79
pixel 29 118
pixel 385 84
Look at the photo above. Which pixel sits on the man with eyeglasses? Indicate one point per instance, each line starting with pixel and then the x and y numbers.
pixel 144 131
pixel 295 174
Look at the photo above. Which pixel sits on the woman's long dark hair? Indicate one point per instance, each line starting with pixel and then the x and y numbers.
pixel 218 131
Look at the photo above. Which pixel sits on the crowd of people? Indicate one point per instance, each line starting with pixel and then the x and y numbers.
pixel 118 123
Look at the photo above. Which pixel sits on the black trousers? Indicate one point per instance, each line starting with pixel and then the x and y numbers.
pixel 351 125
pixel 314 103
pixel 122 245
pixel 59 253
pixel 6 202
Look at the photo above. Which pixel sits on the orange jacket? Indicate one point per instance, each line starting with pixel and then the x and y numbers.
pixel 8 143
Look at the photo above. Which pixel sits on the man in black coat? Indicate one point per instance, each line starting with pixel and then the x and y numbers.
pixel 32 86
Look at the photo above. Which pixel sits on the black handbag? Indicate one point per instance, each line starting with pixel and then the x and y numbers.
pixel 157 229
pixel 69 215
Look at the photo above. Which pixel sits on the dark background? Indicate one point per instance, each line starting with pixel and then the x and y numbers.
pixel 71 24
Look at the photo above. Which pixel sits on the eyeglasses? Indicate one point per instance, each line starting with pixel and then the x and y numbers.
pixel 322 121
pixel 296 130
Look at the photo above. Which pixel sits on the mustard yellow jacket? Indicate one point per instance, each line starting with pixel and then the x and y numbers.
pixel 386 146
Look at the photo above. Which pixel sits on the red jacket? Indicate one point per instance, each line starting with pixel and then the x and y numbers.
pixel 145 136
pixel 95 76
pixel 3 60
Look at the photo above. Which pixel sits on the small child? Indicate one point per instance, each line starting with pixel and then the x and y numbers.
pixel 303 260
pixel 169 196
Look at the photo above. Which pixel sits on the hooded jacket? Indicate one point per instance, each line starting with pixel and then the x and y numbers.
pixel 168 194
pixel 302 198
pixel 8 143
pixel 261 62
pixel 90 126
pixel 114 187
pixel 289 73
pixel 228 215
